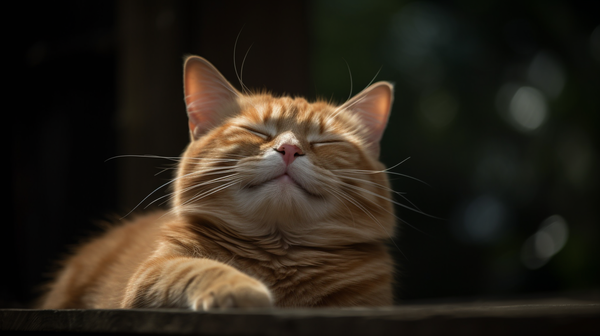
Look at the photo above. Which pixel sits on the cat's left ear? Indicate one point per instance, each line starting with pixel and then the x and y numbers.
pixel 208 95
pixel 373 106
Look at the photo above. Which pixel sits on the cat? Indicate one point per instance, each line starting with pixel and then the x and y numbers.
pixel 277 202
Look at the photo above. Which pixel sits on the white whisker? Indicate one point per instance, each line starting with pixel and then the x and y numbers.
pixel 387 199
pixel 211 191
pixel 242 70
pixel 368 213
pixel 234 63
pixel 178 192
pixel 360 171
pixel 155 190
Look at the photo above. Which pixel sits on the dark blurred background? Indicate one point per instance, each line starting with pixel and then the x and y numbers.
pixel 497 105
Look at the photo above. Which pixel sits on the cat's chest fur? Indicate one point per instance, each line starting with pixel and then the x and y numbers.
pixel 296 275
pixel 300 276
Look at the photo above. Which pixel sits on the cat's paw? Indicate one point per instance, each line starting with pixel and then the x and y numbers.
pixel 241 292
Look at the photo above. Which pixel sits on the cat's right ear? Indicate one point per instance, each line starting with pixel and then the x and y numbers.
pixel 208 95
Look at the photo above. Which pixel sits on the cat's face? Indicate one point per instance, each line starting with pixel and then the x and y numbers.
pixel 284 164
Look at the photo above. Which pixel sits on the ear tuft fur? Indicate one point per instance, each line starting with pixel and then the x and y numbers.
pixel 373 106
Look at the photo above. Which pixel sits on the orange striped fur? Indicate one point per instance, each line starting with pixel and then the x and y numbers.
pixel 276 202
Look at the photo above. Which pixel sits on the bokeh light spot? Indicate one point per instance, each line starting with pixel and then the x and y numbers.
pixel 528 108
pixel 544 245
pixel 550 238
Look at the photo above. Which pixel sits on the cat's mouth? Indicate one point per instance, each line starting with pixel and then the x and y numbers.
pixel 284 178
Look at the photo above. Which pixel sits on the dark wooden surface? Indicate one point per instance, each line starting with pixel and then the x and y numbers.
pixel 554 317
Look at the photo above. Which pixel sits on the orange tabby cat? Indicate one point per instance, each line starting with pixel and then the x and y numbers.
pixel 277 202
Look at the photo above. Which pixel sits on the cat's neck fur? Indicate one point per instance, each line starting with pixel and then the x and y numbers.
pixel 204 235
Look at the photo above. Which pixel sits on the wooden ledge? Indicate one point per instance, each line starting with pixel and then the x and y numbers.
pixel 559 318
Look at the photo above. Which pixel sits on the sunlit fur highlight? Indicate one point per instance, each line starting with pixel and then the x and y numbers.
pixel 234 237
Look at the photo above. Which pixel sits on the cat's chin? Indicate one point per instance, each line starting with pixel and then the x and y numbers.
pixel 285 186
pixel 282 200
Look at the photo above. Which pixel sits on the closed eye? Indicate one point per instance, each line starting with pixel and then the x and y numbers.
pixel 257 133
pixel 328 142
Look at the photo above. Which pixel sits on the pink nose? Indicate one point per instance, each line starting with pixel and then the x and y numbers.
pixel 289 152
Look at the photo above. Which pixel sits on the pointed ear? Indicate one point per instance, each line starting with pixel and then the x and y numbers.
pixel 207 95
pixel 373 106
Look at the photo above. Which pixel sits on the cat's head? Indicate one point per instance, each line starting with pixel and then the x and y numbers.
pixel 268 164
